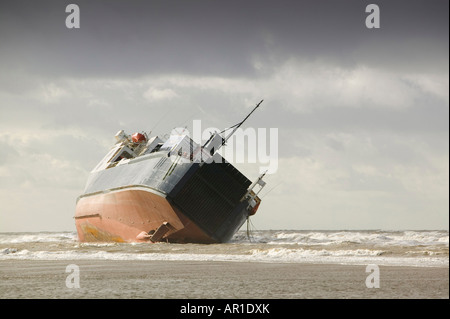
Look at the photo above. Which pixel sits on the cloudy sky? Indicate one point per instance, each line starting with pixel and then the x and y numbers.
pixel 362 114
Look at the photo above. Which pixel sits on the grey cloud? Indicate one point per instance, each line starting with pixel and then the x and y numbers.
pixel 351 104
pixel 135 38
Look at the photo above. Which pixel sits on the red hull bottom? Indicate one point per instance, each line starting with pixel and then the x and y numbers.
pixel 129 215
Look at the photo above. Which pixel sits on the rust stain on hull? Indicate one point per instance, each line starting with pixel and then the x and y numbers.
pixel 92 234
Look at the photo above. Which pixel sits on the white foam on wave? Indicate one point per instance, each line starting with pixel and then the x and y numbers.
pixel 405 248
pixel 271 255
pixel 19 238
pixel 384 238
pixel 395 238
pixel 293 253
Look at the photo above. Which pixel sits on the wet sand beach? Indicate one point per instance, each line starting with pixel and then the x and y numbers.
pixel 109 279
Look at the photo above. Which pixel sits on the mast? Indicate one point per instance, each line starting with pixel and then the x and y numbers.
pixel 236 126
pixel 215 141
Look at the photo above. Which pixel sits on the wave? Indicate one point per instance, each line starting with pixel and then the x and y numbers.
pixel 399 248
pixel 273 255
pixel 394 238
pixel 39 237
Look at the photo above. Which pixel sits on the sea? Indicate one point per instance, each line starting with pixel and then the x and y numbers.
pixel 412 248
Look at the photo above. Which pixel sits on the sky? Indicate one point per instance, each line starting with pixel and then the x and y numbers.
pixel 362 114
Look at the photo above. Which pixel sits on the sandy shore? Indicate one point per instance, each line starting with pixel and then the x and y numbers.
pixel 215 280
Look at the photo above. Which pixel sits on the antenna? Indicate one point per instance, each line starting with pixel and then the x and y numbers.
pixel 160 119
pixel 215 141
pixel 236 126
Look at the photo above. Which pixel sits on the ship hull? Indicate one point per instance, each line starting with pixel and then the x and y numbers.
pixel 124 215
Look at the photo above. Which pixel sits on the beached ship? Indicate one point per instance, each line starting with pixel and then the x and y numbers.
pixel 173 190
